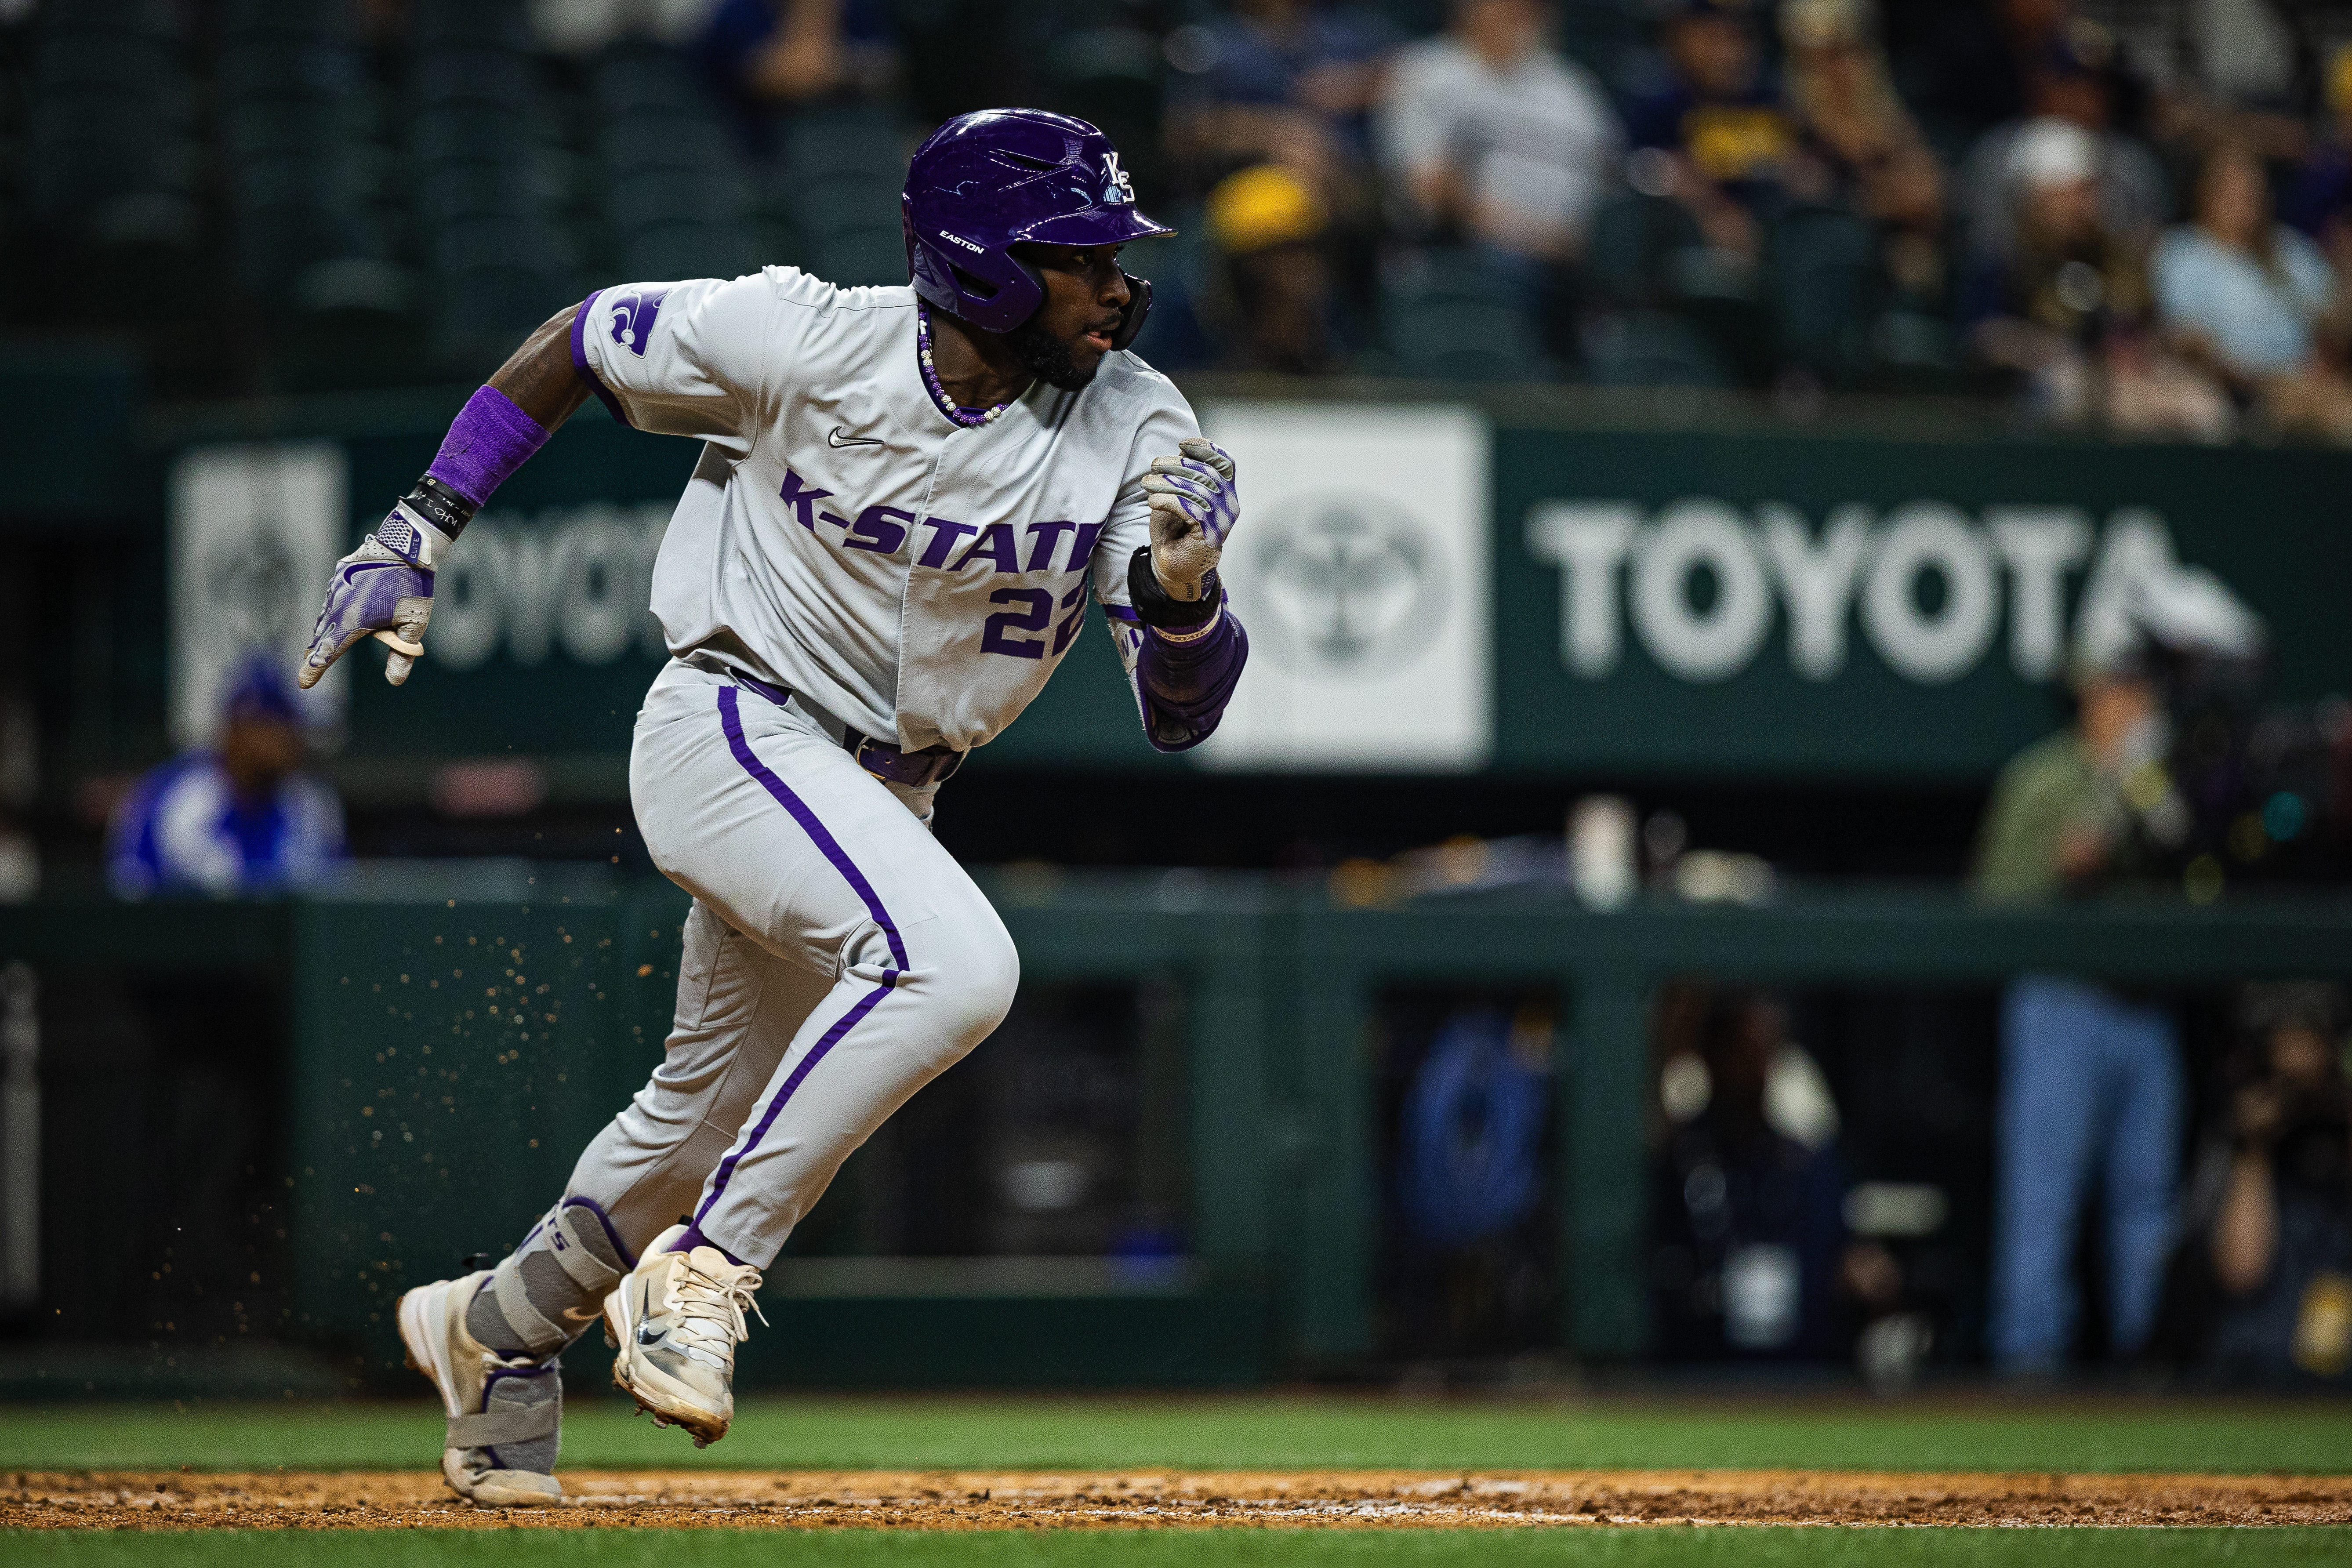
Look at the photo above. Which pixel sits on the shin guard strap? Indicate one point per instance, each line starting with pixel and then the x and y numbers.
pixel 572 1250
pixel 514 1305
pixel 508 1426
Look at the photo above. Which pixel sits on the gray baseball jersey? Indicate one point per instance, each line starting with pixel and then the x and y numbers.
pixel 841 536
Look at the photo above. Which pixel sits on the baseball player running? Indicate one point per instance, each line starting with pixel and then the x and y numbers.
pixel 905 499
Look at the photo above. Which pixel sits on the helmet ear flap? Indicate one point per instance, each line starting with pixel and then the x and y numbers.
pixel 1139 306
pixel 995 293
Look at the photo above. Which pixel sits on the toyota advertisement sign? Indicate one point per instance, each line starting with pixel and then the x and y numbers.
pixel 1426 588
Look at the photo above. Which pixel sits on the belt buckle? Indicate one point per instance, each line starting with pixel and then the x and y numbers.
pixel 915 770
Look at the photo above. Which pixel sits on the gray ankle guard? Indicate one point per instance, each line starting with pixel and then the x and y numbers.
pixel 546 1292
pixel 521 1420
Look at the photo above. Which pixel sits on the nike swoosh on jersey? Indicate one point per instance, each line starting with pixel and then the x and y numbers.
pixel 837 437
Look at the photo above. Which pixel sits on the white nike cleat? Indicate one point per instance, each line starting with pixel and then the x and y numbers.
pixel 492 1402
pixel 676 1320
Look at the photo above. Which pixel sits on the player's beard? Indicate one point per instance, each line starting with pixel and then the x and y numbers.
pixel 1052 360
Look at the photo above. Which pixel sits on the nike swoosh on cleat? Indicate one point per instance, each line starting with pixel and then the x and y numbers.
pixel 651 1336
pixel 578 1316
pixel 838 436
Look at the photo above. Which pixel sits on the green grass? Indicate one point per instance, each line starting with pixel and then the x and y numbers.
pixel 919 1433
pixel 1730 1548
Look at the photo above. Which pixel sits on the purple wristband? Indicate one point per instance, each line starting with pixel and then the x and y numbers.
pixel 488 441
pixel 1185 686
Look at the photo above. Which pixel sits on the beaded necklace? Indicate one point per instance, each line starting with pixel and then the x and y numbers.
pixel 972 418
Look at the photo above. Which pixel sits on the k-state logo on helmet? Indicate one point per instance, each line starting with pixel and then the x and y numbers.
pixel 1122 190
pixel 632 319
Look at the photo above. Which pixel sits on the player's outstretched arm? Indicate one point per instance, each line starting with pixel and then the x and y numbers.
pixel 1187 660
pixel 384 588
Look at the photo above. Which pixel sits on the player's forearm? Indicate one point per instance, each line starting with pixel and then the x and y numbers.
pixel 541 377
pixel 499 429
pixel 1188 679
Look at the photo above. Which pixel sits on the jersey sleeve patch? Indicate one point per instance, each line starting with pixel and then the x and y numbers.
pixel 586 367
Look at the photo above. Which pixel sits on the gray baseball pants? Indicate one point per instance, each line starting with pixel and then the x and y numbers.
pixel 836 959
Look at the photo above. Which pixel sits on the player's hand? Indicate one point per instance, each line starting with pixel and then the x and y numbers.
pixel 1194 505
pixel 375 591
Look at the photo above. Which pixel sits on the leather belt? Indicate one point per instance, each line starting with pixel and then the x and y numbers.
pixel 915 770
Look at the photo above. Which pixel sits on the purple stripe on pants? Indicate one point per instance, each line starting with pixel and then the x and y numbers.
pixel 731 721
pixel 841 1026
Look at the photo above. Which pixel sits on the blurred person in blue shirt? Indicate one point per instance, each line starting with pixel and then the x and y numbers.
pixel 1284 81
pixel 2254 301
pixel 234 820
pixel 770 55
pixel 1715 113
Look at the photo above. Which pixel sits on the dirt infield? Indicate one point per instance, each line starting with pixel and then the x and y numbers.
pixel 1152 1498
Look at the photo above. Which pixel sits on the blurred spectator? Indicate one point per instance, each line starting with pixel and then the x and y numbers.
pixel 1471 1258
pixel 1972 65
pixel 1494 136
pixel 782 52
pixel 2090 1080
pixel 2135 198
pixel 237 820
pixel 2066 306
pixel 2318 199
pixel 1752 1256
pixel 2244 73
pixel 2275 1185
pixel 1716 114
pixel 579 27
pixel 1857 143
pixel 1284 81
pixel 1269 231
pixel 2254 301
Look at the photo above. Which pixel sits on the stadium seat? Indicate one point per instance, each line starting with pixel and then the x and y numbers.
pixel 472 74
pixel 1651 348
pixel 663 138
pixel 108 159
pixel 322 21
pixel 1447 272
pixel 468 133
pixel 1824 288
pixel 153 20
pixel 1629 245
pixel 302 69
pixel 490 282
pixel 457 192
pixel 1605 36
pixel 690 249
pixel 1465 340
pixel 854 138
pixel 103 61
pixel 845 201
pixel 719 195
pixel 633 76
pixel 871 256
pixel 335 130
pixel 494 23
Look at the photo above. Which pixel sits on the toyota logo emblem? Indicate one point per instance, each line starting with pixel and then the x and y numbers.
pixel 1345 585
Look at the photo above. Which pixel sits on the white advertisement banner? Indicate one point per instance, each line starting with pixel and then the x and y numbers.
pixel 1361 569
pixel 255 531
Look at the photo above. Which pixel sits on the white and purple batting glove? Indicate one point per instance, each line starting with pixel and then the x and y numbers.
pixel 376 590
pixel 1194 505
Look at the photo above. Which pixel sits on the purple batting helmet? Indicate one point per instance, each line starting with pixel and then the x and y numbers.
pixel 984 182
